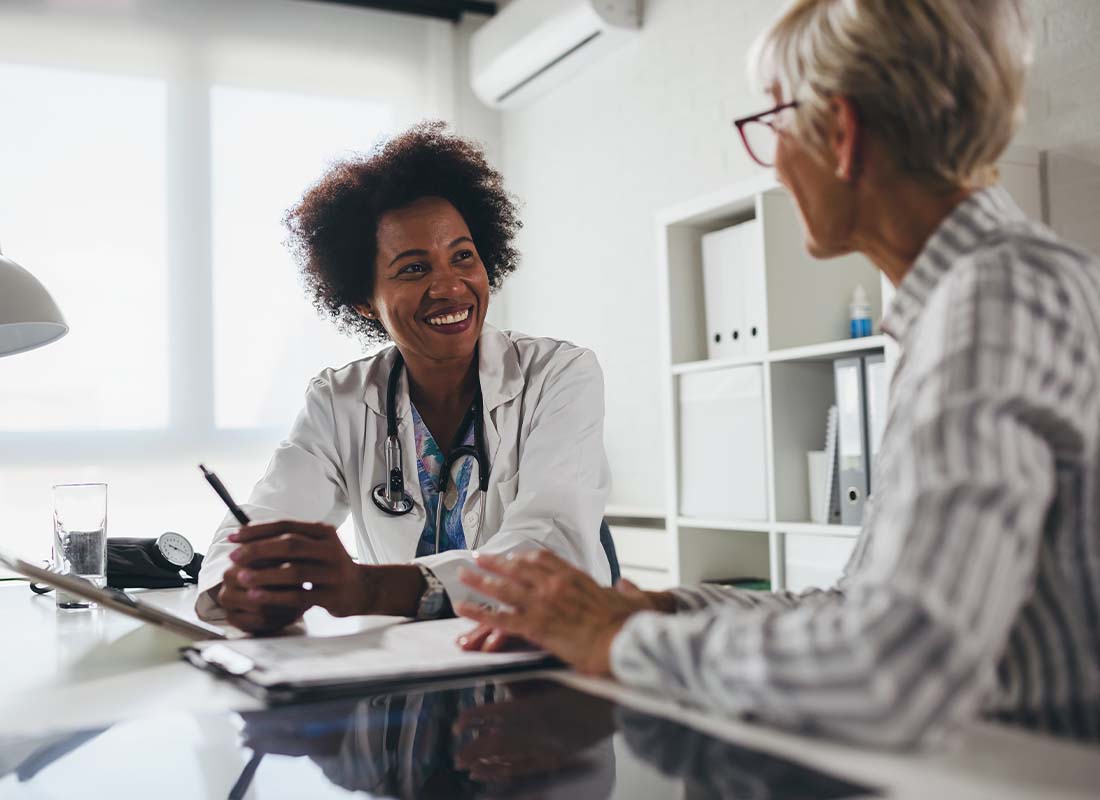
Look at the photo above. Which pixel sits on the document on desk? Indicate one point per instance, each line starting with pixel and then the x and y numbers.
pixel 394 651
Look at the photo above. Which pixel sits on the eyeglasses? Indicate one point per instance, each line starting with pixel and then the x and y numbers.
pixel 760 135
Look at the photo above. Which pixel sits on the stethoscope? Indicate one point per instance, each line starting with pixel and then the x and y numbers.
pixel 390 495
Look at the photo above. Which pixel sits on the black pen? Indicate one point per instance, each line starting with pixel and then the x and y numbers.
pixel 223 493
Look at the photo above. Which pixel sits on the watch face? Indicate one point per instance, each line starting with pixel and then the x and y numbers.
pixel 175 548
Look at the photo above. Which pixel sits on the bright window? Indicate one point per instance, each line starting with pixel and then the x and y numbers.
pixel 266 148
pixel 82 205
pixel 148 153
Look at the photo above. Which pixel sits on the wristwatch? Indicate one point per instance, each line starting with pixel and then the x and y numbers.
pixel 433 603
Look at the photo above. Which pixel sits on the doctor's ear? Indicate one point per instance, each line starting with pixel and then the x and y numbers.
pixel 366 310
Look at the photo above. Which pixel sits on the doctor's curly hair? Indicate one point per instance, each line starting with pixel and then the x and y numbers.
pixel 333 229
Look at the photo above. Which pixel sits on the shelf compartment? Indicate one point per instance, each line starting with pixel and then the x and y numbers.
pixel 801 393
pixel 643 548
pixel 713 554
pixel 808 299
pixel 814 561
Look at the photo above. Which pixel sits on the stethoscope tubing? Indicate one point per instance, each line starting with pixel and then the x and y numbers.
pixel 390 495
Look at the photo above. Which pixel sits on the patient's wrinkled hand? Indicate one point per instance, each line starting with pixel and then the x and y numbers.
pixel 555 606
pixel 488 639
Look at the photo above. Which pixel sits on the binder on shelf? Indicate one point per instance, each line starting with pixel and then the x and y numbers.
pixel 734 292
pixel 723 465
pixel 851 439
pixel 875 377
pixel 829 502
pixel 755 292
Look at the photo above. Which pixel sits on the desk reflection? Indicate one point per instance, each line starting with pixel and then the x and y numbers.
pixel 480 739
pixel 494 739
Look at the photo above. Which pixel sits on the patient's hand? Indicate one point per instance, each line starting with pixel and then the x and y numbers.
pixel 554 605
pixel 488 639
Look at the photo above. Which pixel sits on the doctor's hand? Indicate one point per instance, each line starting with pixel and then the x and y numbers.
pixel 295 565
pixel 555 606
pixel 250 614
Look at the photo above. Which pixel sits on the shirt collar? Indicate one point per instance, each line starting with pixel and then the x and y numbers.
pixel 968 224
pixel 498 366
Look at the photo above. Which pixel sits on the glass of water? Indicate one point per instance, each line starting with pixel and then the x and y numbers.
pixel 80 537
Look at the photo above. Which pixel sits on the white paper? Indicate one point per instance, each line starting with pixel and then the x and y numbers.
pixel 394 648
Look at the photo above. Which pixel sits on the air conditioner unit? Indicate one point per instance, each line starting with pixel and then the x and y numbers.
pixel 532 45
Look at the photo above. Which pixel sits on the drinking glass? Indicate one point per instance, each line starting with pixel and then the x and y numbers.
pixel 80 537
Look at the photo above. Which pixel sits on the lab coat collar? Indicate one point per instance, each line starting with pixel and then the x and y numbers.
pixel 498 370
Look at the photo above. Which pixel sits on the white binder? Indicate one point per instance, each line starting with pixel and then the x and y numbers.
pixel 723 465
pixel 756 294
pixel 734 292
pixel 851 439
pixel 878 388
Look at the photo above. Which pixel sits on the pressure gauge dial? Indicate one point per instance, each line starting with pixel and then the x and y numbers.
pixel 175 549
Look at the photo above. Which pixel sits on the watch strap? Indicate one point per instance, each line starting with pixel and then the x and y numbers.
pixel 433 602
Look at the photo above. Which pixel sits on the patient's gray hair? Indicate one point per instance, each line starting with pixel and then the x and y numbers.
pixel 939 82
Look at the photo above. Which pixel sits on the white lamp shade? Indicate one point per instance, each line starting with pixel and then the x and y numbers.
pixel 29 317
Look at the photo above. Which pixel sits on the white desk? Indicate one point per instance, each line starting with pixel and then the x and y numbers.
pixel 74 670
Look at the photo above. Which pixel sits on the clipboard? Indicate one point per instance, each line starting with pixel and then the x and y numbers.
pixel 114 599
pixel 393 651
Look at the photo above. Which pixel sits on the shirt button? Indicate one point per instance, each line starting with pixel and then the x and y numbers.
pixel 470 520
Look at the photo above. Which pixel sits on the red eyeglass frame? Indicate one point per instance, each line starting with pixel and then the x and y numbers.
pixel 743 121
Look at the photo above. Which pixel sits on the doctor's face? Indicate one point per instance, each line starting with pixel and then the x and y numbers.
pixel 431 290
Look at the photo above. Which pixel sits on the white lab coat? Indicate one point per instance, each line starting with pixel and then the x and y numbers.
pixel 548 482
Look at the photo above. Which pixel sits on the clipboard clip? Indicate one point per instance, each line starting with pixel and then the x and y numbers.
pixel 221 659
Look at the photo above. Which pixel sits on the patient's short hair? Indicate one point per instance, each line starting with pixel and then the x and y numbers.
pixel 939 82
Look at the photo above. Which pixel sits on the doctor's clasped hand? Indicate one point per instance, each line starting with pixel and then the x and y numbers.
pixel 280 569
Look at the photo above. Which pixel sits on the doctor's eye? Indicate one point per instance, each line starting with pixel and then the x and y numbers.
pixel 412 269
pixel 464 255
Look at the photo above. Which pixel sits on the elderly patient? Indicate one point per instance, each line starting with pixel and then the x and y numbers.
pixel 975 584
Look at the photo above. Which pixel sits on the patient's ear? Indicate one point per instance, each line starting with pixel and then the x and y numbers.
pixel 846 137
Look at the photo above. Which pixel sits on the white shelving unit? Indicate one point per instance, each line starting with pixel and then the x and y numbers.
pixel 806 324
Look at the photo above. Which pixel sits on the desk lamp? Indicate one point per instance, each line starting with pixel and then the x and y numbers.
pixel 29 317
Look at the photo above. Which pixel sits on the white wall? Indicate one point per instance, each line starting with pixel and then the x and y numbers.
pixel 593 161
pixel 1064 114
pixel 649 126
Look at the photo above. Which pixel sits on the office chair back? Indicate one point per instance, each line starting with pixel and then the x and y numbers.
pixel 609 550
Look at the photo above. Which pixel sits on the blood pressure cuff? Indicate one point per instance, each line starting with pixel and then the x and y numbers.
pixel 130 565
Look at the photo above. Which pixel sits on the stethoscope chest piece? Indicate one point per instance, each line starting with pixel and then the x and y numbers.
pixel 398 506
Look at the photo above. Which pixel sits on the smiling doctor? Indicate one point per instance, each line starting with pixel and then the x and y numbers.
pixel 459 437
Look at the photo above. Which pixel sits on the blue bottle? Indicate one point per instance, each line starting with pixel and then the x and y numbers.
pixel 859 313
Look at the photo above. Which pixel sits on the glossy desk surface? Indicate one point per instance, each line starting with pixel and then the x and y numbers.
pixel 98 705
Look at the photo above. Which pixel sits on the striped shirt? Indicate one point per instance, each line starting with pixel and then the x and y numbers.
pixel 974 587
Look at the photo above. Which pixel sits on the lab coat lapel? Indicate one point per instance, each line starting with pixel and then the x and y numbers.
pixel 501 381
